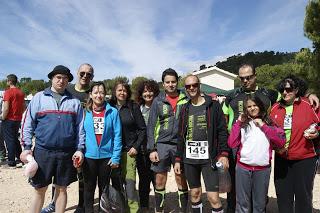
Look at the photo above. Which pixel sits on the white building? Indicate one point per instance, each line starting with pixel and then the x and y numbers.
pixel 216 77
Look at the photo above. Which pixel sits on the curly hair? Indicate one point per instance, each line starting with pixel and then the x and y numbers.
pixel 294 82
pixel 150 85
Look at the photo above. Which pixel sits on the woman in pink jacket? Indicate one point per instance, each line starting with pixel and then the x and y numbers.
pixel 254 134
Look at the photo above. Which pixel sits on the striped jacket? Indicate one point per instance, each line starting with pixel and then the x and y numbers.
pixel 54 127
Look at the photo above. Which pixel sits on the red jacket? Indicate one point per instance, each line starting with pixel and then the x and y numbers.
pixel 303 116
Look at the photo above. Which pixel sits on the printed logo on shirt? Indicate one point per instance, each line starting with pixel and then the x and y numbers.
pixel 240 106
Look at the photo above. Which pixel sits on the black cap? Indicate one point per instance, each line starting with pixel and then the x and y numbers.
pixel 60 69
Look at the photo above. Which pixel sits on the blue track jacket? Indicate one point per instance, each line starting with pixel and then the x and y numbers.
pixel 110 144
pixel 54 128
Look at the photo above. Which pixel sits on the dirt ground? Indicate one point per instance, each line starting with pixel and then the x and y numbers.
pixel 16 194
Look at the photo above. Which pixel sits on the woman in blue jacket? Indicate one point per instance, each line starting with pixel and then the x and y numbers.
pixel 103 145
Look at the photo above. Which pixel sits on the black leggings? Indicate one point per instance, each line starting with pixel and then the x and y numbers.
pixel 294 183
pixel 94 169
pixel 145 177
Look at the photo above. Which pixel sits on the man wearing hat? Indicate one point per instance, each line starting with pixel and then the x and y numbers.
pixel 55 118
pixel 79 90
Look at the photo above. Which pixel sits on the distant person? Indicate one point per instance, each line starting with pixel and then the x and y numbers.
pixel 146 92
pixel 80 90
pixel 163 137
pixel 55 118
pixel 102 145
pixel 295 163
pixel 12 110
pixel 3 151
pixel 133 135
pixel 202 141
pixel 254 135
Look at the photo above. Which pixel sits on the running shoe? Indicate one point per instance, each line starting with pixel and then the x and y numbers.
pixel 48 209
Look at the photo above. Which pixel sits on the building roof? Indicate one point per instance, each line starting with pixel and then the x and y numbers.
pixel 214 68
pixel 207 89
pixel 210 89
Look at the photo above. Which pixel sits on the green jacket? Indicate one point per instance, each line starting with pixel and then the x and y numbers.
pixel 163 121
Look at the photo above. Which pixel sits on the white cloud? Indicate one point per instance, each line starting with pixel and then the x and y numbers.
pixel 128 38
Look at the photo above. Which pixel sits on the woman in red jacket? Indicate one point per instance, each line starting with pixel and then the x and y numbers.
pixel 295 163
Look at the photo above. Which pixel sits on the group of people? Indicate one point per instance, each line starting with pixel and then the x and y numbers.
pixel 73 131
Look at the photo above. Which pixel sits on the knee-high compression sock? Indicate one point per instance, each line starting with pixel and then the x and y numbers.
pixel 183 199
pixel 159 195
pixel 217 210
pixel 197 207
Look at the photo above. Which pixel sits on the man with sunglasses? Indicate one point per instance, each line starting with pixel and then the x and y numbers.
pixel 162 131
pixel 233 107
pixel 202 141
pixel 80 90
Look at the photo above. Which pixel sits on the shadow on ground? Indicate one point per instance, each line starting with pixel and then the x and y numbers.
pixel 171 204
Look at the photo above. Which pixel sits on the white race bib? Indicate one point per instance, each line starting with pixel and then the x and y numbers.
pixel 287 123
pixel 98 123
pixel 197 150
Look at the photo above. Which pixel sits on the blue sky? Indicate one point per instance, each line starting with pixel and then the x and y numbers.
pixel 143 37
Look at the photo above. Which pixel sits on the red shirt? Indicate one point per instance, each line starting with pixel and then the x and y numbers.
pixel 15 98
pixel 173 102
pixel 98 124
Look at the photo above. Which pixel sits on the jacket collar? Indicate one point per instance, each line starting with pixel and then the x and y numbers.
pixel 295 102
pixel 182 95
pixel 48 91
pixel 207 98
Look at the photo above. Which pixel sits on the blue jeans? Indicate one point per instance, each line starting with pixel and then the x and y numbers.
pixel 3 151
pixel 10 131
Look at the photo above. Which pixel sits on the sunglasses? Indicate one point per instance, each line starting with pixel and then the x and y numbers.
pixel 287 89
pixel 87 74
pixel 188 86
pixel 249 77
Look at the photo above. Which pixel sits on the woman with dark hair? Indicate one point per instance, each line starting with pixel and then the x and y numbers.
pixel 133 135
pixel 254 134
pixel 146 92
pixel 295 163
pixel 102 145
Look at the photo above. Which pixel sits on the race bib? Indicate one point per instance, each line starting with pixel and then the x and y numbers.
pixel 98 124
pixel 287 123
pixel 197 150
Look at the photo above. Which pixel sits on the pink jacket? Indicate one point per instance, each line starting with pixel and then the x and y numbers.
pixel 255 145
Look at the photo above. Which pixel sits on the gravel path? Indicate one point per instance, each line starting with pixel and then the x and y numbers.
pixel 16 193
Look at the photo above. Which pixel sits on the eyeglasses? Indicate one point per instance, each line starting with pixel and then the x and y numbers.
pixel 87 74
pixel 249 77
pixel 61 78
pixel 287 89
pixel 188 86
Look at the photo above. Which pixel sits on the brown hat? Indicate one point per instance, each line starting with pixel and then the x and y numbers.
pixel 60 69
